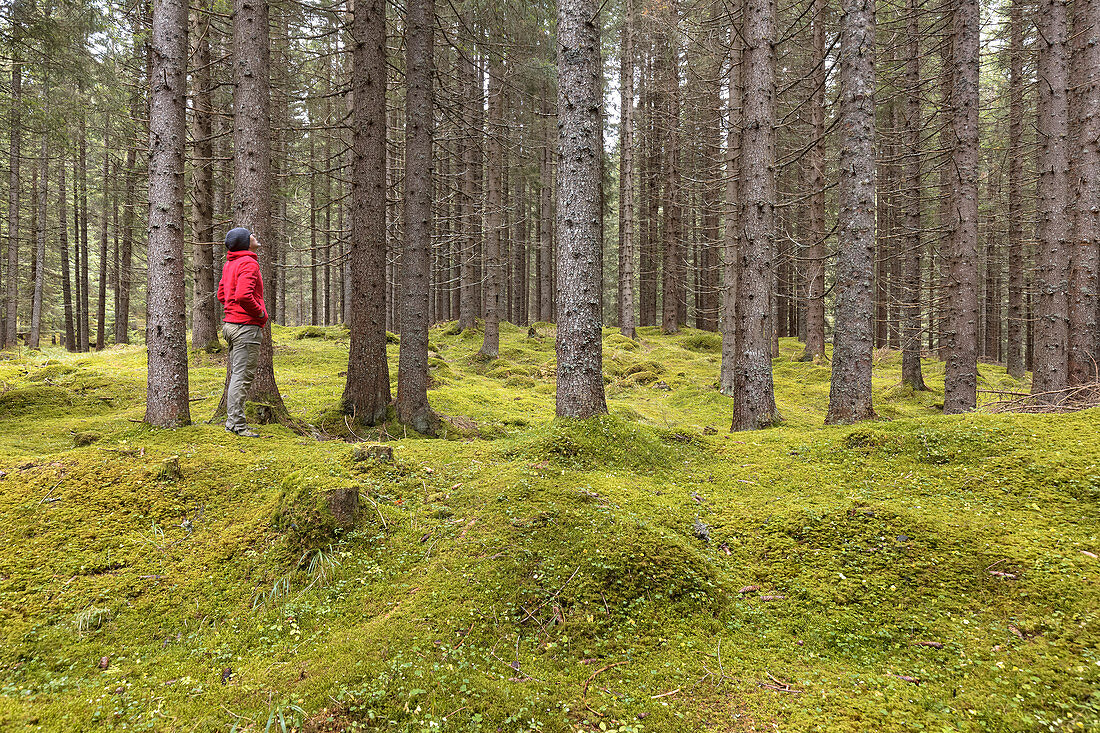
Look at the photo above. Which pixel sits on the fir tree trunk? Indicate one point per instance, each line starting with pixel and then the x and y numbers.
pixel 11 293
pixel 911 374
pixel 627 318
pixel 63 241
pixel 1014 356
pixel 580 146
pixel 815 256
pixel 39 278
pixel 412 370
pixel 853 339
pixel 367 391
pixel 101 305
pixel 204 324
pixel 166 404
pixel 731 241
pixel 494 281
pixel 753 390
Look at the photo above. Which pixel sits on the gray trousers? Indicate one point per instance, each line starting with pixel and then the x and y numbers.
pixel 244 352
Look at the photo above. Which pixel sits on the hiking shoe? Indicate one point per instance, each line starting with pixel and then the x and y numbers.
pixel 245 432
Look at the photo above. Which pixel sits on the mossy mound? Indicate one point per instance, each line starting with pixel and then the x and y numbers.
pixel 605 440
pixel 616 340
pixel 314 509
pixel 328 333
pixel 50 372
pixel 704 341
pixel 26 401
pixel 647 365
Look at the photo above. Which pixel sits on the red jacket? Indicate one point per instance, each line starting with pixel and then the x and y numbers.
pixel 241 290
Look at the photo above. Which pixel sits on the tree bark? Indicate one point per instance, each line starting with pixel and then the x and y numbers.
pixel 673 206
pixel 853 339
pixel 815 256
pixel 1014 357
pixel 627 317
pixel 204 325
pixel 63 241
pixel 580 146
pixel 471 191
pixel 494 202
pixel 81 231
pixel 1085 249
pixel 753 390
pixel 412 370
pixel 911 373
pixel 101 309
pixel 167 404
pixel 731 241
pixel 1053 230
pixel 961 376
pixel 367 390
pixel 11 298
pixel 40 243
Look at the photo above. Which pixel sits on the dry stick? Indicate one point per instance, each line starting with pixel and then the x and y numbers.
pixel 665 694
pixel 47 496
pixel 587 682
pixel 372 501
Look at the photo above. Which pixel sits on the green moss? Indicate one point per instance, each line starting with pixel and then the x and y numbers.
pixel 703 341
pixel 598 441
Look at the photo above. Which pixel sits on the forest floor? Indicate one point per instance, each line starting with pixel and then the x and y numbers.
pixel 645 571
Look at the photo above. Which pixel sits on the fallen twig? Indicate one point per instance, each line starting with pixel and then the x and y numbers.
pixel 47 496
pixel 665 694
pixel 587 682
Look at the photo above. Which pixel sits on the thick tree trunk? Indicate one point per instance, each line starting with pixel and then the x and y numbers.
pixel 627 317
pixel 494 281
pixel 412 370
pixel 252 180
pixel 1085 249
pixel 1014 357
pixel 367 391
pixel 853 340
pixel 912 248
pixel 166 404
pixel 753 389
pixel 961 377
pixel 204 324
pixel 579 342
pixel 1053 230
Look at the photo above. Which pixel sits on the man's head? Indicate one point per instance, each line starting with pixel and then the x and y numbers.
pixel 237 240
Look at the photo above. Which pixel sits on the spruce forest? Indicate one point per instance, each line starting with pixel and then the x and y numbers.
pixel 637 365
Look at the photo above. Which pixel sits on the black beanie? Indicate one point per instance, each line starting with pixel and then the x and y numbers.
pixel 237 239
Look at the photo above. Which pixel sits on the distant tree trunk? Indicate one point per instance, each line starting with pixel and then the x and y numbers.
pixel 11 298
pixel 252 179
pixel 81 231
pixel 673 209
pixel 204 328
pixel 367 390
pixel 1016 325
pixel 412 370
pixel 815 256
pixel 167 404
pixel 731 241
pixel 1053 231
pixel 961 377
pixel 519 250
pixel 468 306
pixel 578 223
pixel 913 246
pixel 546 234
pixel 40 246
pixel 101 306
pixel 649 205
pixel 63 240
pixel 494 282
pixel 853 339
pixel 1085 249
pixel 627 318
pixel 753 389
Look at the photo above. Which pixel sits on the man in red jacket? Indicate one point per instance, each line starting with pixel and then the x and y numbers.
pixel 241 292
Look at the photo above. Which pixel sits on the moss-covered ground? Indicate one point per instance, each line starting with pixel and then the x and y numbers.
pixel 645 571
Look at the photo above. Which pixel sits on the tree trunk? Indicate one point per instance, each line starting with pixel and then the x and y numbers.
pixel 11 297
pixel 63 241
pixel 166 404
pixel 853 339
pixel 1053 229
pixel 961 376
pixel 204 326
pixel 547 281
pixel 731 241
pixel 468 306
pixel 673 206
pixel 627 318
pixel 578 222
pixel 1015 355
pixel 40 243
pixel 101 309
pixel 753 390
pixel 412 370
pixel 81 231
pixel 252 180
pixel 815 255
pixel 1085 249
pixel 494 281
pixel 912 248
pixel 367 390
